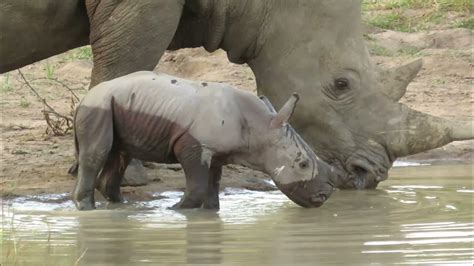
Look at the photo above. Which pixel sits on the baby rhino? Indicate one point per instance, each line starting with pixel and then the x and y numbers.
pixel 203 126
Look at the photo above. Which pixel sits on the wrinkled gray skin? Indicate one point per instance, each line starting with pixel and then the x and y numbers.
pixel 349 111
pixel 203 126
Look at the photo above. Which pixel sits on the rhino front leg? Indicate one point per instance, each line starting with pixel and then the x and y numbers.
pixel 196 163
pixel 212 197
pixel 111 176
pixel 128 36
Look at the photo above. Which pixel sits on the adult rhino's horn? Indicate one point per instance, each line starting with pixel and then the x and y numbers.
pixel 395 81
pixel 416 132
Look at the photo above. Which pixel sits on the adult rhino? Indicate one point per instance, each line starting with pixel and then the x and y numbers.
pixel 349 110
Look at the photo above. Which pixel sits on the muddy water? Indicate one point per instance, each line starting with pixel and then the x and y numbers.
pixel 421 215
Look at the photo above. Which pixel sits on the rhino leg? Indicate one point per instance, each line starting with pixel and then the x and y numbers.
pixel 94 135
pixel 90 164
pixel 128 36
pixel 212 197
pixel 135 175
pixel 111 176
pixel 196 163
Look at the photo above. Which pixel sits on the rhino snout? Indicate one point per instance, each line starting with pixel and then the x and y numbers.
pixel 363 175
pixel 318 199
pixel 308 194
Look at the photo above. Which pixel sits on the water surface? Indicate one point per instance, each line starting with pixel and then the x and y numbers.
pixel 421 215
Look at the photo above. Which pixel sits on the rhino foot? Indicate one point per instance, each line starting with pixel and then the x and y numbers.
pixel 187 203
pixel 85 204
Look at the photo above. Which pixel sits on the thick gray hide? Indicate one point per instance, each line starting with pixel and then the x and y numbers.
pixel 203 126
pixel 348 112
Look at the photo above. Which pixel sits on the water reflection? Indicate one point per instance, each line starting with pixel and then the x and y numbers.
pixel 203 237
pixel 412 219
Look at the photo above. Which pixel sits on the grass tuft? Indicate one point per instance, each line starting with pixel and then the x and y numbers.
pixel 467 23
pixel 440 5
pixel 84 52
pixel 392 21
pixel 399 15
pixel 24 103
pixel 6 85
pixel 378 50
pixel 49 70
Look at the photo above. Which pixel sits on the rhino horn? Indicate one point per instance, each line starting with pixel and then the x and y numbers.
pixel 416 132
pixel 396 80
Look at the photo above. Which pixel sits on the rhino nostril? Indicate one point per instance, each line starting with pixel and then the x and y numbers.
pixel 319 198
pixel 323 197
pixel 358 170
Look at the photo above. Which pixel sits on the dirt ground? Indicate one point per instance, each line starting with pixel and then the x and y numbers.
pixel 34 162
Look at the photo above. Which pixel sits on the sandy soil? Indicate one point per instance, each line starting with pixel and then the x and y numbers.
pixel 33 162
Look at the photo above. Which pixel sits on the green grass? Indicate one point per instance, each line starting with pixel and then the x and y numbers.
pixel 457 5
pixel 6 85
pixel 409 50
pixel 49 70
pixel 441 5
pixel 467 23
pixel 398 15
pixel 24 103
pixel 84 52
pixel 378 50
pixel 392 21
pixel 23 246
pixel 392 4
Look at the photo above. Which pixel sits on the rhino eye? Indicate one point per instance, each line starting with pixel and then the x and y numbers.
pixel 303 164
pixel 341 84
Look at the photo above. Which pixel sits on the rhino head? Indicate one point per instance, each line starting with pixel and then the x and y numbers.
pixel 349 110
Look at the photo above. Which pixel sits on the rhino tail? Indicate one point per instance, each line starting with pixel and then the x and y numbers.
pixel 73 170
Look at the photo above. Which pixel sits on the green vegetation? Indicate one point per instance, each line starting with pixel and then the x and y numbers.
pixel 6 85
pixel 392 21
pixel 409 50
pixel 378 50
pixel 84 52
pixel 402 15
pixel 49 70
pixel 440 5
pixel 467 23
pixel 20 250
pixel 24 103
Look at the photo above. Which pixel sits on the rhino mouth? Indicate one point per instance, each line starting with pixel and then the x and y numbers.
pixel 361 173
pixel 308 194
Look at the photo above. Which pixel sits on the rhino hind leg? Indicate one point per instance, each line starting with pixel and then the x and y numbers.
pixel 94 135
pixel 111 176
pixel 88 169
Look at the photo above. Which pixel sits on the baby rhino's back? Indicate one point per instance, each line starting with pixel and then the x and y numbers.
pixel 149 112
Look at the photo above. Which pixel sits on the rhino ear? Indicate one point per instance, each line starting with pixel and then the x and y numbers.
pixel 396 80
pixel 267 102
pixel 285 113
